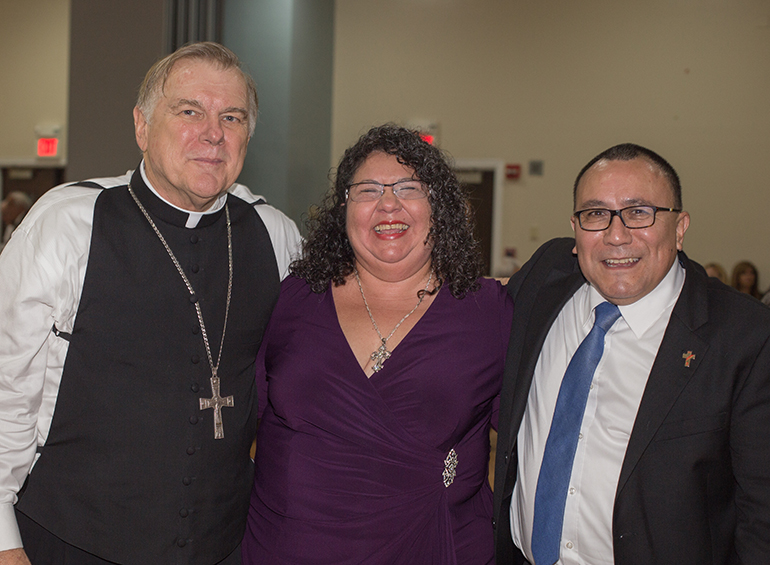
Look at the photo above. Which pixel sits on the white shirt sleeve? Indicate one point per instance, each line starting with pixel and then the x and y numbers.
pixel 41 276
pixel 42 269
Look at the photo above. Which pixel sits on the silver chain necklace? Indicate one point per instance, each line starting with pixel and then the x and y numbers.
pixel 382 354
pixel 216 401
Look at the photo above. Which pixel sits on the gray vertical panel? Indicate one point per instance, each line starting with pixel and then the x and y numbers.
pixel 182 16
pixel 193 12
pixel 259 31
pixel 194 20
pixel 170 27
pixel 112 45
pixel 287 46
pixel 211 20
pixel 311 102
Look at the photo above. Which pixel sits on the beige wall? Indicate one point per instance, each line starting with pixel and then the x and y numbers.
pixel 113 43
pixel 516 80
pixel 560 81
pixel 34 66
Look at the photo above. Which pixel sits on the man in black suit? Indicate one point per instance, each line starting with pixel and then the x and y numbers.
pixel 671 456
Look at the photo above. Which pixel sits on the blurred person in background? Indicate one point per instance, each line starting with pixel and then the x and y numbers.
pixel 717 271
pixel 12 210
pixel 746 279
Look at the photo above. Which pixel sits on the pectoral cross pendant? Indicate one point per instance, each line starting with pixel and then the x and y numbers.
pixel 217 403
pixel 379 357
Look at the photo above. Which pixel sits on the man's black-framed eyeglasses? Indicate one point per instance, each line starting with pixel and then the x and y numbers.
pixel 633 217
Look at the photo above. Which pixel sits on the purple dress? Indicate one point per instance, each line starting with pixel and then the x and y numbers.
pixel 350 469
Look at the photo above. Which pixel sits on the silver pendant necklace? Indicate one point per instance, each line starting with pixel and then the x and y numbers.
pixel 216 402
pixel 381 354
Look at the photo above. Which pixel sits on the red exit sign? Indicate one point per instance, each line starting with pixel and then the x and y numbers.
pixel 47 146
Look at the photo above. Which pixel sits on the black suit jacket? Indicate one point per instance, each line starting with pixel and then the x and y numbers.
pixel 694 487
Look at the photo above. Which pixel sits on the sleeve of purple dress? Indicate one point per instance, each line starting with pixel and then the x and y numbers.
pixel 506 319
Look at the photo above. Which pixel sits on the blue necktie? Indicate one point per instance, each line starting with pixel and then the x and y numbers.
pixel 560 447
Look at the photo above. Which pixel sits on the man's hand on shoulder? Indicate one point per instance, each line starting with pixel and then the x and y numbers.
pixel 14 557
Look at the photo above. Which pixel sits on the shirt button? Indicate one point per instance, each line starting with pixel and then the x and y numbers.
pixel 181 542
pixel 580 435
pixel 195 387
pixel 187 481
pixel 195 268
pixel 572 490
pixel 195 359
pixel 184 513
pixel 191 450
pixel 193 238
pixel 195 330
pixel 569 545
pixel 193 420
pixel 592 386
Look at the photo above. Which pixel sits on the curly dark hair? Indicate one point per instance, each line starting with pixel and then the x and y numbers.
pixel 455 257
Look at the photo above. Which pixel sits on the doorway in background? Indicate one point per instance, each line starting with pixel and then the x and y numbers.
pixel 484 180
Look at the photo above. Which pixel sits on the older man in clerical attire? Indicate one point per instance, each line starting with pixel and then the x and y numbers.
pixel 131 312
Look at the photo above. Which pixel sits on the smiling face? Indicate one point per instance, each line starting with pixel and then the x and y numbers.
pixel 388 235
pixel 625 265
pixel 195 142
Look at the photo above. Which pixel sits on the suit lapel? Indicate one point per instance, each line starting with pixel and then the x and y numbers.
pixel 676 363
pixel 546 301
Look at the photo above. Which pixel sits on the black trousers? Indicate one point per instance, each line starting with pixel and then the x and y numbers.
pixel 44 548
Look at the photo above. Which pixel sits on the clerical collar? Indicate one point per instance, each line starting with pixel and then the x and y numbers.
pixel 193 218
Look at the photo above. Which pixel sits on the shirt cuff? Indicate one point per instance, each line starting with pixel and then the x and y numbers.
pixel 10 538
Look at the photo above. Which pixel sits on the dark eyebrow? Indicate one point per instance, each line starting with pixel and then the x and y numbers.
pixel 602 204
pixel 406 179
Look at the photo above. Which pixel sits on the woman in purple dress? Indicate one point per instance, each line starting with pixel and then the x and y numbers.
pixel 381 369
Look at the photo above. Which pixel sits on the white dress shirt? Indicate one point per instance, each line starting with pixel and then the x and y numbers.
pixel 630 348
pixel 42 270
